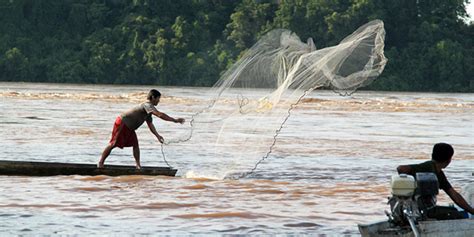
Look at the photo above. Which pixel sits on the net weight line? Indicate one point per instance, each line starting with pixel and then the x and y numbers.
pixel 277 132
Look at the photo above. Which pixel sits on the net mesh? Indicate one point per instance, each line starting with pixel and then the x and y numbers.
pixel 237 128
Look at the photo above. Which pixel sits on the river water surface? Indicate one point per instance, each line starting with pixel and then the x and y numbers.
pixel 329 170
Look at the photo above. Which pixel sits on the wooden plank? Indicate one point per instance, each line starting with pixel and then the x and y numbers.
pixel 26 168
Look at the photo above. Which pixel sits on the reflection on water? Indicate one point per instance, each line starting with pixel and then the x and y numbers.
pixel 329 170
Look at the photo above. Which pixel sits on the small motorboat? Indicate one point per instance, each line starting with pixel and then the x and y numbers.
pixel 411 201
pixel 435 228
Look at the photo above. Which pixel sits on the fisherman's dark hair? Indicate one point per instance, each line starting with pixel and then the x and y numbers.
pixel 153 94
pixel 442 152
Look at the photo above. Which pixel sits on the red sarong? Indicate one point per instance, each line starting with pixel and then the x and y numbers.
pixel 122 136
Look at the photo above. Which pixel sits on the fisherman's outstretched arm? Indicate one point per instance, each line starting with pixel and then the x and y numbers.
pixel 459 200
pixel 167 117
pixel 153 130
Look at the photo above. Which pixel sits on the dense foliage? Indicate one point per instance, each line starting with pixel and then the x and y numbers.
pixel 191 42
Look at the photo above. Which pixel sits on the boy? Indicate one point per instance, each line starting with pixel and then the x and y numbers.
pixel 123 134
pixel 440 159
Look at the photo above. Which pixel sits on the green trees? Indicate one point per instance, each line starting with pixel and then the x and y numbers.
pixel 429 46
pixel 191 42
pixel 15 64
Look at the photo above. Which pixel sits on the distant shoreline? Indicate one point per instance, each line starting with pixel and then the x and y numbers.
pixel 209 87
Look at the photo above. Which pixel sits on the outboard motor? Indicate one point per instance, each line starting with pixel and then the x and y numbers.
pixel 426 191
pixel 412 199
pixel 402 201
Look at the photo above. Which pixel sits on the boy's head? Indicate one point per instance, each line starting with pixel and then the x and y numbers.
pixel 442 153
pixel 154 96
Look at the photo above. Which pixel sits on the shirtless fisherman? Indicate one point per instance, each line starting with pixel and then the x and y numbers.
pixel 123 133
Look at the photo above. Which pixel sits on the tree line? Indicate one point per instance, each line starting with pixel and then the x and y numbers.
pixel 192 42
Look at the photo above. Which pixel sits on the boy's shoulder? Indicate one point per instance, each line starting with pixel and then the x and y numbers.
pixel 148 106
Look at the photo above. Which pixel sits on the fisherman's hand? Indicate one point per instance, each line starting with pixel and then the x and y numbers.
pixel 160 138
pixel 471 211
pixel 180 120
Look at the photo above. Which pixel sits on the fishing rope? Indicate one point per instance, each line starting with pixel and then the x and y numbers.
pixel 191 123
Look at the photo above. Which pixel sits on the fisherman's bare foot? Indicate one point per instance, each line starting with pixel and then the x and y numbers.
pixel 100 166
pixel 138 167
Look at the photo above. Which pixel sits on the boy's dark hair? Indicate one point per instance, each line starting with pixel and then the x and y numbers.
pixel 153 94
pixel 442 152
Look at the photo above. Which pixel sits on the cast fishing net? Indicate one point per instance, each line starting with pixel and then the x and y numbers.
pixel 237 128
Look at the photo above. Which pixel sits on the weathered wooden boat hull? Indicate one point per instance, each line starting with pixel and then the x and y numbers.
pixel 24 168
pixel 451 228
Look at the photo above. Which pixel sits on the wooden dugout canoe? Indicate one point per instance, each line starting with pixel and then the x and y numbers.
pixel 26 168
